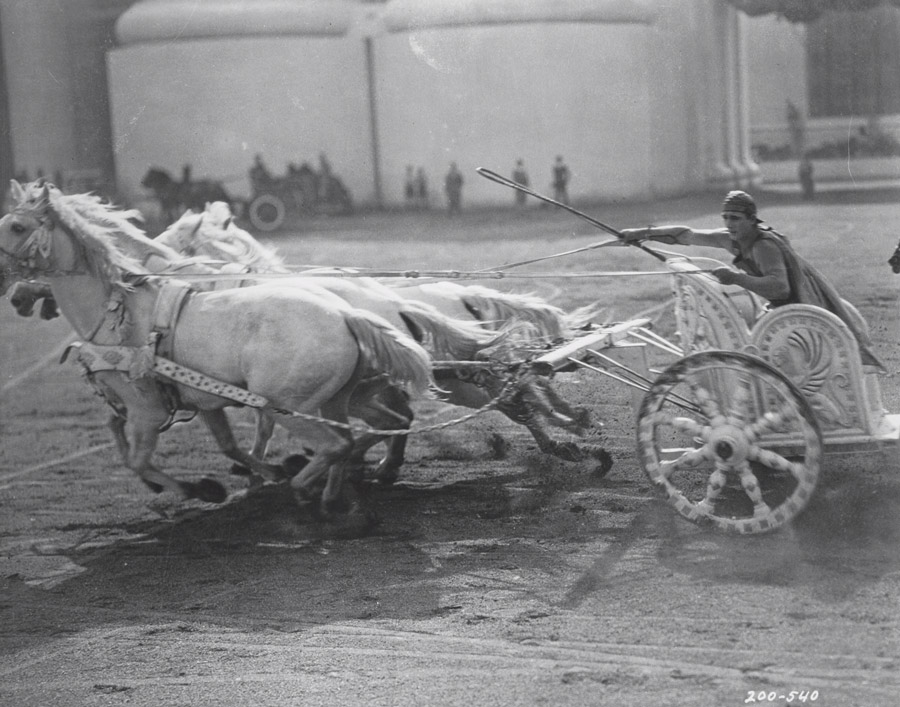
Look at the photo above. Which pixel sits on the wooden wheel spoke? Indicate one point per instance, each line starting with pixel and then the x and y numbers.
pixel 714 486
pixel 688 460
pixel 679 423
pixel 772 421
pixel 707 403
pixel 750 484
pixel 742 402
pixel 773 460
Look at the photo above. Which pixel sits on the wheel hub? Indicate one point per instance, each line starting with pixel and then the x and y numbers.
pixel 729 444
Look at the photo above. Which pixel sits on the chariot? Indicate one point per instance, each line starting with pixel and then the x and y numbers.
pixel 300 191
pixel 732 428
pixel 733 425
pixel 733 415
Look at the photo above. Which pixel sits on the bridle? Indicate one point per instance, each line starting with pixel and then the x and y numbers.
pixel 23 262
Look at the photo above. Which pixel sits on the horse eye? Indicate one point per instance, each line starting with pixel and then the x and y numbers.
pixel 17 228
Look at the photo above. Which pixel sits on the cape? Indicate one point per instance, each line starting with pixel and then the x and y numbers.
pixel 809 286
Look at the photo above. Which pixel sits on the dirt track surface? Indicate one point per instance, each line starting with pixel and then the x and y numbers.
pixel 497 576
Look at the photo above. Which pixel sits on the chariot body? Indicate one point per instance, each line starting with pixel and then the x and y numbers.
pixel 733 429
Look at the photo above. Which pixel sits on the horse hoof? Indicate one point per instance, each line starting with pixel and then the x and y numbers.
pixel 293 464
pixel 210 491
pixel 606 462
pixel 582 418
pixel 335 506
pixel 240 470
pixel 49 309
pixel 568 451
pixel 371 517
pixel 308 510
pixel 499 446
pixel 156 488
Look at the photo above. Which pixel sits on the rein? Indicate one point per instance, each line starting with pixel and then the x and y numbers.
pixel 428 274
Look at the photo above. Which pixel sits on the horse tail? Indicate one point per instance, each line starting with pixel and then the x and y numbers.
pixel 446 338
pixel 494 306
pixel 390 351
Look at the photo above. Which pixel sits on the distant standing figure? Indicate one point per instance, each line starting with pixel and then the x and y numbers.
pixel 521 176
pixel 453 186
pixel 806 179
pixel 410 187
pixel 325 183
pixel 560 181
pixel 421 188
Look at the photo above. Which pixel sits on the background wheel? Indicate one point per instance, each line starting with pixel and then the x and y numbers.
pixel 730 442
pixel 267 212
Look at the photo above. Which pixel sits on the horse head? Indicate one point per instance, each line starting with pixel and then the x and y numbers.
pixel 894 260
pixel 26 231
pixel 181 234
pixel 219 213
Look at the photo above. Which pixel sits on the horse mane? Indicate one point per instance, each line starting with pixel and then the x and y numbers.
pixel 494 305
pixel 234 244
pixel 113 246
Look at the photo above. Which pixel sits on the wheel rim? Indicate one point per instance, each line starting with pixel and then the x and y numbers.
pixel 730 442
pixel 267 212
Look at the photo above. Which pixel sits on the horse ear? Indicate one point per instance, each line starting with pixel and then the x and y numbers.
pixel 16 190
pixel 227 223
pixel 45 195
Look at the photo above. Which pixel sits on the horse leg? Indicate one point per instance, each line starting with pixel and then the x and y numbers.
pixel 117 426
pixel 393 413
pixel 144 438
pixel 265 428
pixel 333 447
pixel 218 424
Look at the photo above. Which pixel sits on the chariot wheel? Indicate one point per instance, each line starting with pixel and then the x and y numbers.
pixel 266 212
pixel 730 442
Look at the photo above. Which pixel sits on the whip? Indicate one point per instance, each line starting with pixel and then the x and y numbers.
pixel 500 179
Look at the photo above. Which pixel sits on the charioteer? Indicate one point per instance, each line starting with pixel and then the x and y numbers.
pixel 763 263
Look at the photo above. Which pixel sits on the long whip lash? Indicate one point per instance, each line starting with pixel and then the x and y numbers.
pixel 500 179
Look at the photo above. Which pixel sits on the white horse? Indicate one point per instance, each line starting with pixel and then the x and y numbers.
pixel 286 349
pixel 522 321
pixel 212 235
pixel 25 294
pixel 387 409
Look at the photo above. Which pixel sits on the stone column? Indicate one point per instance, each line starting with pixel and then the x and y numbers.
pixel 731 163
pixel 748 172
pixel 38 64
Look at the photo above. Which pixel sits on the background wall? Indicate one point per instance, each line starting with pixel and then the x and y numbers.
pixel 217 103
pixel 486 96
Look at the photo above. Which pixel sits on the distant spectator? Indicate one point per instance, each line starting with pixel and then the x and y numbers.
pixel 453 187
pixel 409 189
pixel 325 179
pixel 561 181
pixel 421 188
pixel 521 176
pixel 807 183
pixel 797 126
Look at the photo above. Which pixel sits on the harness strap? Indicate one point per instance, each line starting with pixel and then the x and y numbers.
pixel 171 298
pixel 130 360
pixel 199 381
